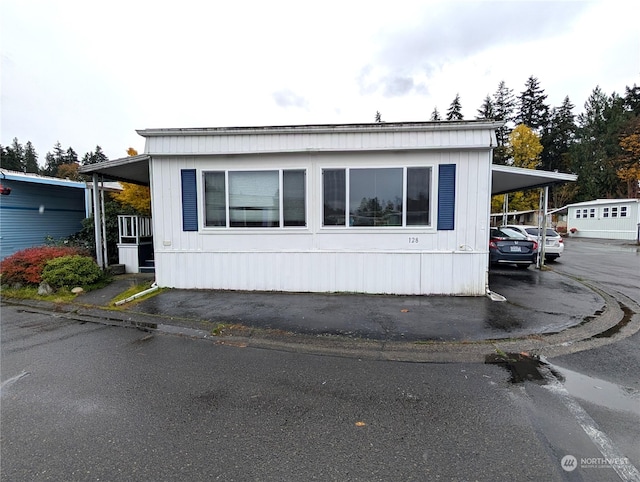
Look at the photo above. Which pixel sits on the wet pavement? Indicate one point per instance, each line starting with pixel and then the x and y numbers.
pixel 549 312
pixel 537 302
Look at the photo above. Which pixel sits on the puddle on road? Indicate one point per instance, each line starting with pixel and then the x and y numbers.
pixel 626 318
pixel 524 367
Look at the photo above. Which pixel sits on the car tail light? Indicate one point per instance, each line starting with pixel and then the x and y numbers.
pixel 492 244
pixel 535 246
pixel 561 241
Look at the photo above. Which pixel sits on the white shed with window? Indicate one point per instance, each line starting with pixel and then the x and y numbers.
pixel 605 218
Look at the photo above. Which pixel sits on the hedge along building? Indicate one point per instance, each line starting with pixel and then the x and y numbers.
pixel 398 208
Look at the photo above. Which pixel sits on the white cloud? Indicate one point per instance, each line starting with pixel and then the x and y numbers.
pixel 88 73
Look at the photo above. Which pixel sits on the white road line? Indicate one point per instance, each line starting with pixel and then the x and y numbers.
pixel 12 380
pixel 627 472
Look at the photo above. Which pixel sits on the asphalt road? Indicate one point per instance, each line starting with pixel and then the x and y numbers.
pixel 83 401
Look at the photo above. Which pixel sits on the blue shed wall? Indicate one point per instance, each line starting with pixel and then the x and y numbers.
pixel 23 226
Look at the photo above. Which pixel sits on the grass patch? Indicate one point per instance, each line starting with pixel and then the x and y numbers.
pixel 63 295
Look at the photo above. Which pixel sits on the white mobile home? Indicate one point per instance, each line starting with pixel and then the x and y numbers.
pixel 605 218
pixel 372 208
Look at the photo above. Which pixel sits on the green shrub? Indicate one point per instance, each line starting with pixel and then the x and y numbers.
pixel 71 271
pixel 26 266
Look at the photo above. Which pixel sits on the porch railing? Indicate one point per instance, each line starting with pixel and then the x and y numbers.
pixel 133 229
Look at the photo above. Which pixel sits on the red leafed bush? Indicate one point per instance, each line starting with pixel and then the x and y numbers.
pixel 26 266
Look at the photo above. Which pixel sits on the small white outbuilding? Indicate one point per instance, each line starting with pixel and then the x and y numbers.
pixel 605 218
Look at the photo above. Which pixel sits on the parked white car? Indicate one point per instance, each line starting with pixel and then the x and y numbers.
pixel 554 246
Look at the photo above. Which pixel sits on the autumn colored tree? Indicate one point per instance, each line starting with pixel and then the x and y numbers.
pixel 69 171
pixel 629 162
pixel 134 195
pixel 524 147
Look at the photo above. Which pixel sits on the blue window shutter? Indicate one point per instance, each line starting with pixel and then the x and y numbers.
pixel 446 196
pixel 189 200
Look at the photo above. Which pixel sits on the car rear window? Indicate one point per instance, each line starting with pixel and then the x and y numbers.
pixel 507 233
pixel 535 231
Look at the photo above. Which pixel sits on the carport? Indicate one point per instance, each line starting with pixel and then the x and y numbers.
pixel 507 179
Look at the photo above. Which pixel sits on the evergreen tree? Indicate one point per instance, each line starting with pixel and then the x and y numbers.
pixel 378 116
pixel 558 137
pixel 632 99
pixel 70 157
pixel 31 159
pixel 487 109
pixel 504 105
pixel 13 156
pixel 53 160
pixel 435 115
pixel 534 113
pixel 92 157
pixel 597 146
pixel 455 109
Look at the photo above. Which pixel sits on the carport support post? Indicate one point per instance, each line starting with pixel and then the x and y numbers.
pixel 543 225
pixel 97 221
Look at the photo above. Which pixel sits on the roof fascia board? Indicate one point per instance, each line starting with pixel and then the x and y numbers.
pixel 123 161
pixel 51 181
pixel 324 129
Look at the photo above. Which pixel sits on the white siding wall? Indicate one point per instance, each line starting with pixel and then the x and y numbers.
pixel 323 139
pixel 315 258
pixel 605 228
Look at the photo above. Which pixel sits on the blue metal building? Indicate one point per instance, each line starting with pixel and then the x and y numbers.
pixel 38 207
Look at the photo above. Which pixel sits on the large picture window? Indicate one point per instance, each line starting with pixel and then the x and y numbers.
pixel 250 199
pixel 377 197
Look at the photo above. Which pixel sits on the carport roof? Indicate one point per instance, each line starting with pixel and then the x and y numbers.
pixel 135 169
pixel 506 179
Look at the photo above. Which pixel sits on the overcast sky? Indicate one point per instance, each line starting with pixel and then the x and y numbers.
pixel 89 73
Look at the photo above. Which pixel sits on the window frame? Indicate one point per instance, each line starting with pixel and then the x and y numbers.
pixel 346 227
pixel 281 195
pixel 605 212
pixel 623 211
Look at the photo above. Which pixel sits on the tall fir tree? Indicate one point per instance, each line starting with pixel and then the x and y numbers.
pixel 632 99
pixel 54 159
pixel 13 156
pixel 487 109
pixel 558 137
pixel 455 109
pixel 93 157
pixel 596 147
pixel 504 105
pixel 533 112
pixel 435 115
pixel 70 157
pixel 31 159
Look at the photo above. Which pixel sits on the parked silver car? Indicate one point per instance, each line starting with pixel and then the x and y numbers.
pixel 554 245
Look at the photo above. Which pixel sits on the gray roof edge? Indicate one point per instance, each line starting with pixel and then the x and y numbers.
pixel 123 161
pixel 325 128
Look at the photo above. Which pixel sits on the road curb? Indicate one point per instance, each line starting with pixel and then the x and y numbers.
pixel 577 338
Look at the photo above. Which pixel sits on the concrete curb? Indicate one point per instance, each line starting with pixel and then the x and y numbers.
pixel 620 315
